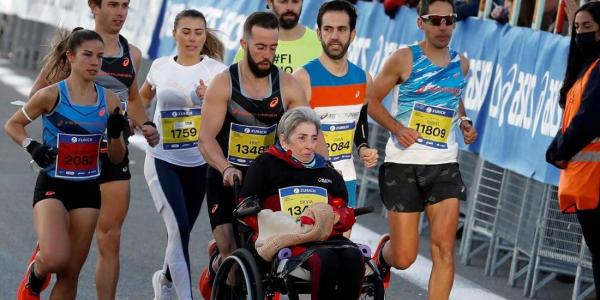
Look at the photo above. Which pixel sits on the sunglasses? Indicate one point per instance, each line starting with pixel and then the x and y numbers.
pixel 437 20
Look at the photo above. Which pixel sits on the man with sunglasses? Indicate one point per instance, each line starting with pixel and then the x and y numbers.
pixel 420 172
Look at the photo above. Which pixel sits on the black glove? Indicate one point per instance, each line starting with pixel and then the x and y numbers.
pixel 116 124
pixel 42 154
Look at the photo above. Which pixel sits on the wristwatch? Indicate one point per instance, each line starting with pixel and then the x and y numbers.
pixel 26 142
pixel 463 119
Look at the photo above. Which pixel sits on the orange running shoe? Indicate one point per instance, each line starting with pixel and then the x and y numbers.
pixel 26 291
pixel 384 268
pixel 206 278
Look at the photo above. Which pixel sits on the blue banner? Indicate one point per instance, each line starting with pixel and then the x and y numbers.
pixel 512 88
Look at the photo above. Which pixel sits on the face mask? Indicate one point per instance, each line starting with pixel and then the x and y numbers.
pixel 586 41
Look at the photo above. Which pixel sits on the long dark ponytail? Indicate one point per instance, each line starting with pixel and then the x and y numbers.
pixel 56 62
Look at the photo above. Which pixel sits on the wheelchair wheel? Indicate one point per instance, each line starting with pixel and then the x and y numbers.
pixel 372 286
pixel 238 277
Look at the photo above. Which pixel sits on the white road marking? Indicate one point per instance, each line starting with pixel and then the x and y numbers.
pixel 418 273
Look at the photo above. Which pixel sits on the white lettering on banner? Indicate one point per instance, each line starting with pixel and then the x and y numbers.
pixel 552 114
pixel 501 93
pixel 478 83
pixel 525 110
pixel 357 53
pixel 521 107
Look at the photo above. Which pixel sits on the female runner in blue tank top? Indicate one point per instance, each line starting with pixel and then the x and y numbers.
pixel 75 113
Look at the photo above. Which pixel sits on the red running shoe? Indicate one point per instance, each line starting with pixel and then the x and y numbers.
pixel 26 291
pixel 206 278
pixel 385 269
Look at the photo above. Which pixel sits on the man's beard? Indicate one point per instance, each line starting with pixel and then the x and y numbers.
pixel 287 23
pixel 255 69
pixel 336 56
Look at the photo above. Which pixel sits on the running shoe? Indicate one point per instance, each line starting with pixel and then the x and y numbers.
pixel 384 268
pixel 162 290
pixel 26 290
pixel 206 278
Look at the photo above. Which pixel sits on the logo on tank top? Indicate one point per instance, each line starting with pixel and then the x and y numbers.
pixel 214 208
pixel 102 112
pixel 126 62
pixel 357 94
pixel 274 102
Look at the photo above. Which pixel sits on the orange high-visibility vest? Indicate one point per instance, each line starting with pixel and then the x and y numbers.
pixel 579 185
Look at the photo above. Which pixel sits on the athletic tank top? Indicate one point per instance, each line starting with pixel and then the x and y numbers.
pixel 118 72
pixel 76 131
pixel 250 124
pixel 427 102
pixel 338 101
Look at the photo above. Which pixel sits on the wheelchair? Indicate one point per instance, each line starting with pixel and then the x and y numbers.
pixel 245 275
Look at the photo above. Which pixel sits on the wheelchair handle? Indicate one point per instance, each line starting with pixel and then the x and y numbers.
pixel 237 186
pixel 363 210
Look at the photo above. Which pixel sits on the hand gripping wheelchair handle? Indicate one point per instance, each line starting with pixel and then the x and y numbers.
pixel 363 210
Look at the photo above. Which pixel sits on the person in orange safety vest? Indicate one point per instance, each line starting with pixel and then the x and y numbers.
pixel 576 147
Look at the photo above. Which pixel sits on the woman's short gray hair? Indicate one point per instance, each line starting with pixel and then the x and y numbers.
pixel 294 117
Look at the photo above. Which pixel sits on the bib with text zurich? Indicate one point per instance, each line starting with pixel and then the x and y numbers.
pixel 248 142
pixel 433 123
pixel 295 199
pixel 77 156
pixel 180 128
pixel 339 138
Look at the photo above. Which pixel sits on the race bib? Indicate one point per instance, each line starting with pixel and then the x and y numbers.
pixel 433 123
pixel 339 138
pixel 248 142
pixel 295 199
pixel 180 128
pixel 77 156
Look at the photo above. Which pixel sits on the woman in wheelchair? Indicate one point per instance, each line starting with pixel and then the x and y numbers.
pixel 289 177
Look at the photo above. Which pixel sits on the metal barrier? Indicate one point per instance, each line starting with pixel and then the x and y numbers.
pixel 559 244
pixel 584 281
pixel 482 211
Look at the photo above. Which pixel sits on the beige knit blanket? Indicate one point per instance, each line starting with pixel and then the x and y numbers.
pixel 277 230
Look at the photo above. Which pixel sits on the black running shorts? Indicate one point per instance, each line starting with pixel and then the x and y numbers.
pixel 409 188
pixel 220 200
pixel 72 194
pixel 111 172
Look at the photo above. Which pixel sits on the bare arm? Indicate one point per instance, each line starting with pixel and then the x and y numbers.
pixel 469 132
pixel 214 109
pixel 395 70
pixel 40 103
pixel 303 78
pixel 135 108
pixel 135 105
pixel 147 93
pixel 116 147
